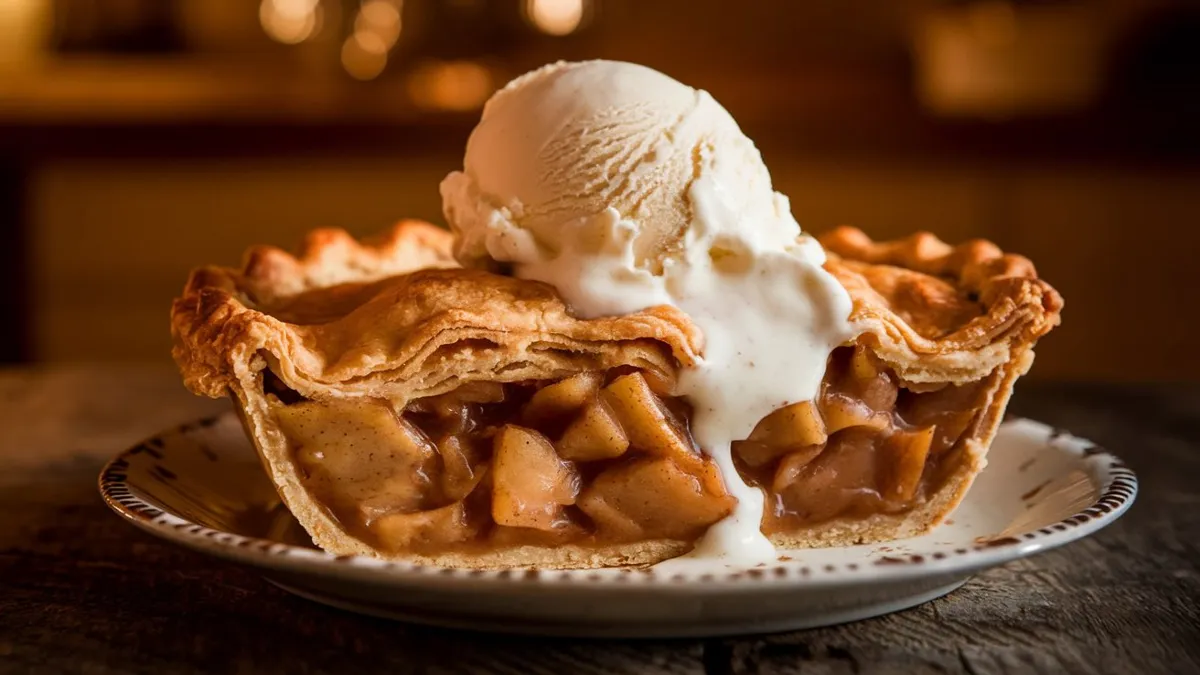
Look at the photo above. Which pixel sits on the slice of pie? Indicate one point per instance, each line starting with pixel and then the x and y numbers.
pixel 410 409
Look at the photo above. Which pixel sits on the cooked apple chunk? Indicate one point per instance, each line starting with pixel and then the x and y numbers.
pixel 651 498
pixel 530 483
pixel 841 412
pixel 561 399
pixel 650 426
pixel 447 525
pixel 902 461
pixel 827 484
pixel 782 432
pixel 791 466
pixel 794 425
pixel 595 434
pixel 757 454
pixel 462 466
pixel 362 451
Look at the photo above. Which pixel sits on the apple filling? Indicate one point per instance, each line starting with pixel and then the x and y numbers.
pixel 866 445
pixel 606 458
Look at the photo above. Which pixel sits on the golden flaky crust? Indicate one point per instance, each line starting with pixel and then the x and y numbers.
pixel 937 313
pixel 398 320
pixel 395 318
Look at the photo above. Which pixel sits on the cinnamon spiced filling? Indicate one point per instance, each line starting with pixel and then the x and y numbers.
pixel 607 458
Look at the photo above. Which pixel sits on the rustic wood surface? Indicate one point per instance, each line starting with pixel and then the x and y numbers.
pixel 82 591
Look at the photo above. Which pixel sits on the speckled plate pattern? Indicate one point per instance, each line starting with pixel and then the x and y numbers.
pixel 201 486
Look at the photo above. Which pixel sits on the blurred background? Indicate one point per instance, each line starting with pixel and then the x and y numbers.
pixel 139 138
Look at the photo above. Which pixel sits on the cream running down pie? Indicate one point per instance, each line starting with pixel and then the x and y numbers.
pixel 623 351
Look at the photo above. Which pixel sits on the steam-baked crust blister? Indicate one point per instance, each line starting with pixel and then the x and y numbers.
pixel 396 320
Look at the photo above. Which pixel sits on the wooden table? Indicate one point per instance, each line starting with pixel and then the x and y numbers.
pixel 82 591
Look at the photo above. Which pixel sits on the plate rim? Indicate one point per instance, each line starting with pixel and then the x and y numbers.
pixel 1118 487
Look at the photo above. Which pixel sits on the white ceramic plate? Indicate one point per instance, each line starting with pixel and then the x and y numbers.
pixel 202 486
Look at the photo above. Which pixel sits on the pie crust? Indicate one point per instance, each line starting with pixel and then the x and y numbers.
pixel 395 320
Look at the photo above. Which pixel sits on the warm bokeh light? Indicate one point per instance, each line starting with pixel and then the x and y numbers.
pixel 997 59
pixel 290 21
pixel 451 85
pixel 370 43
pixel 25 25
pixel 556 17
pixel 381 18
pixel 364 56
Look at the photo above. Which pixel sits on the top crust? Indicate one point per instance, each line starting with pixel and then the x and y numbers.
pixel 386 320
pixel 939 313
pixel 329 256
pixel 344 317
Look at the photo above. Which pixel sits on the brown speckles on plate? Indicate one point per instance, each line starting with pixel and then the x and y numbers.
pixel 149 512
pixel 1003 541
pixel 208 452
pixel 1035 490
pixel 147 448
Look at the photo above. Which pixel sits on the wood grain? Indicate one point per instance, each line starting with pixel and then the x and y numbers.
pixel 81 591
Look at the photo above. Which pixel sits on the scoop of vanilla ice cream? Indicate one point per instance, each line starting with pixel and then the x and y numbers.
pixel 625 189
pixel 564 143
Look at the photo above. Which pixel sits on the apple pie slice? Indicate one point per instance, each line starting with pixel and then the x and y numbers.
pixel 409 409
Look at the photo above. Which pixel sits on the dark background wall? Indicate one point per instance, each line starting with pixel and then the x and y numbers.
pixel 141 138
